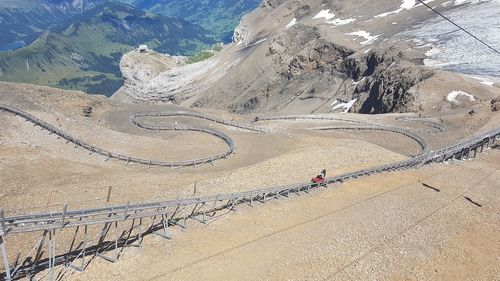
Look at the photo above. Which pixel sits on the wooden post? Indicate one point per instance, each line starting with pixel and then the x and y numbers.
pixel 109 194
pixel 63 219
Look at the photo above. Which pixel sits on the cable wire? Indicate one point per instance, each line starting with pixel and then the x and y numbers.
pixel 463 29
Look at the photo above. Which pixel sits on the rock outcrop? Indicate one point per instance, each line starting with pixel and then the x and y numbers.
pixel 495 104
pixel 385 81
pixel 310 56
pixel 240 34
pixel 271 3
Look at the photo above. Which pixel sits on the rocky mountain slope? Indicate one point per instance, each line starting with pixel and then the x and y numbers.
pixel 83 52
pixel 315 56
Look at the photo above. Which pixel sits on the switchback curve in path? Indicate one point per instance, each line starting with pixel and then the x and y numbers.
pixel 359 125
pixel 197 208
pixel 135 119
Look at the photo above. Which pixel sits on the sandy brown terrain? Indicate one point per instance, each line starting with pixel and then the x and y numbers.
pixel 384 227
pixel 387 227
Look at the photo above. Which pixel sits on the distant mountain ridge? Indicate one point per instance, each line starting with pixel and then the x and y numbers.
pixel 25 20
pixel 218 16
pixel 83 51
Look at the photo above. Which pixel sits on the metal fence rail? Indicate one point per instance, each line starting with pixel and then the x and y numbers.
pixel 361 125
pixel 418 139
pixel 176 212
pixel 134 119
pixel 52 220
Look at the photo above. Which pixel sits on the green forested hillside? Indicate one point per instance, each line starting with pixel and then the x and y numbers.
pixel 83 52
pixel 218 16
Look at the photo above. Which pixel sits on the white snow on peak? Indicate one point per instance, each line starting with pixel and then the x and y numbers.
pixel 406 5
pixel 346 105
pixel 452 96
pixel 324 14
pixel 361 33
pixel 292 23
pixel 329 17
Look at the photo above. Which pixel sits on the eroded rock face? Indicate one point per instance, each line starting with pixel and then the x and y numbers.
pixel 240 33
pixel 302 51
pixel 384 81
pixel 388 90
pixel 307 69
pixel 303 67
pixel 495 104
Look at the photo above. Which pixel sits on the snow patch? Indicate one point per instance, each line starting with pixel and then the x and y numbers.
pixel 361 33
pixel 408 4
pixel 258 42
pixel 389 13
pixel 324 14
pixel 433 51
pixel 340 21
pixel 405 5
pixel 292 23
pixel 452 96
pixel 488 81
pixel 461 2
pixel 329 17
pixel 357 82
pixel 346 105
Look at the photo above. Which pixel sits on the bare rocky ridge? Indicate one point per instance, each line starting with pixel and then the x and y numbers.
pixel 307 57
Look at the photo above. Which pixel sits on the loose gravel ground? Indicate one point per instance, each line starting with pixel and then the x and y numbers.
pixel 384 227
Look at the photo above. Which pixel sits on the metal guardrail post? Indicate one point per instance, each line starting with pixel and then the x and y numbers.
pixel 2 217
pixel 3 251
pixel 5 259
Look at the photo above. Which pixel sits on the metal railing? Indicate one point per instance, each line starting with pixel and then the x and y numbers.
pixel 361 125
pixel 174 212
pixel 52 220
pixel 134 119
